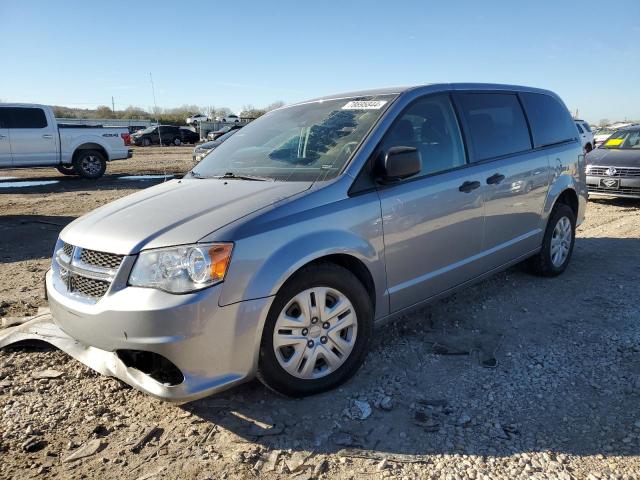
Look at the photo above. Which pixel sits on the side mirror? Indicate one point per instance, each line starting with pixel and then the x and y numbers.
pixel 398 163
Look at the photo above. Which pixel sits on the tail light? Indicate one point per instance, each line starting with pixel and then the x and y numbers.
pixel 126 137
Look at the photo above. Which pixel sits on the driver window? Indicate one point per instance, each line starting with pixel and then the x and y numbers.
pixel 429 125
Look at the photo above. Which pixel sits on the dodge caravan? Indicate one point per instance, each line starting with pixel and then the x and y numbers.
pixel 279 252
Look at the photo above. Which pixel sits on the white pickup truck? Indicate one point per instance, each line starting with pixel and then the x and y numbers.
pixel 31 137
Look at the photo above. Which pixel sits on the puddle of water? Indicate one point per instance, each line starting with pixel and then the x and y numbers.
pixel 146 177
pixel 34 183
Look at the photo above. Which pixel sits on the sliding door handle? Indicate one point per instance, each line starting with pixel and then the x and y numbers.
pixel 46 135
pixel 466 187
pixel 495 179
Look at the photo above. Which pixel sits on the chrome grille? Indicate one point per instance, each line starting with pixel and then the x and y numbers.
pixel 100 259
pixel 619 172
pixel 88 286
pixel 87 273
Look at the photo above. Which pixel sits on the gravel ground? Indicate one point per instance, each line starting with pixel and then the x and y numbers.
pixel 561 402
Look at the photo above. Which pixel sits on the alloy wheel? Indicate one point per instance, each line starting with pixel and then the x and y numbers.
pixel 561 241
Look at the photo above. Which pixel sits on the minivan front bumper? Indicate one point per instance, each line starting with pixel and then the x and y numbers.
pixel 213 347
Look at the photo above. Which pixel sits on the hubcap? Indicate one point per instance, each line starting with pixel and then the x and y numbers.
pixel 307 349
pixel 91 164
pixel 561 242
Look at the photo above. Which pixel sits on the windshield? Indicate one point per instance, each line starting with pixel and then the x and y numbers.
pixel 624 140
pixel 222 138
pixel 306 142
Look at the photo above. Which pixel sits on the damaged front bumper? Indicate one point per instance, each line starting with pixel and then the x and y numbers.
pixel 173 347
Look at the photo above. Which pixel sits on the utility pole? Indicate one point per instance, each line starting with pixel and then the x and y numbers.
pixel 113 105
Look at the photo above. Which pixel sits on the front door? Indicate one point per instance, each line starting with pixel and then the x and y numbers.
pixel 33 140
pixel 5 145
pixel 433 223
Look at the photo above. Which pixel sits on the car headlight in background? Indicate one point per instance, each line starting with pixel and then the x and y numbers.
pixel 182 269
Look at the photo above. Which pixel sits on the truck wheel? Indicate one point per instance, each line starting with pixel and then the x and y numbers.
pixel 146 142
pixel 89 164
pixel 317 332
pixel 557 244
pixel 66 169
pixel 177 142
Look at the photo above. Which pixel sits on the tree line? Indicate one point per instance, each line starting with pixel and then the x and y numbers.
pixel 165 116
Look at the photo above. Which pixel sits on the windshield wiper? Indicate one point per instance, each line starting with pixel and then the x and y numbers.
pixel 233 176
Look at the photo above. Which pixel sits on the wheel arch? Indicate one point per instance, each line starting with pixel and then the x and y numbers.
pixel 90 146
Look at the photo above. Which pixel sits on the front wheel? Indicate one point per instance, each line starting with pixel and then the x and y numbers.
pixel 557 244
pixel 89 164
pixel 177 142
pixel 317 332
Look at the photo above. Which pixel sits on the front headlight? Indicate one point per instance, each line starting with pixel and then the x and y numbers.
pixel 182 269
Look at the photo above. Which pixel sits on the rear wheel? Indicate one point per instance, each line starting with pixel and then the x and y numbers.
pixel 317 333
pixel 177 142
pixel 557 244
pixel 66 169
pixel 89 164
pixel 146 142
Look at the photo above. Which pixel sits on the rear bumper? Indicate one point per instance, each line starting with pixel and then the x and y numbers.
pixel 213 347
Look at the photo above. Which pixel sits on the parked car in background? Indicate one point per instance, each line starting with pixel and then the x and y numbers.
pixel 218 133
pixel 613 169
pixel 276 255
pixel 167 134
pixel 30 136
pixel 586 135
pixel 603 133
pixel 204 149
pixel 189 136
pixel 195 119
pixel 135 128
pixel 230 119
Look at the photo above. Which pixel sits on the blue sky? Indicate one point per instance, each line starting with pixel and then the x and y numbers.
pixel 80 53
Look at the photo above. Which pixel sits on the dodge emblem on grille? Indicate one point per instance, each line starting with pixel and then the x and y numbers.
pixel 609 182
pixel 611 171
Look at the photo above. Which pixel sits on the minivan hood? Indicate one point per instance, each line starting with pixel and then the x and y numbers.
pixel 174 213
pixel 612 157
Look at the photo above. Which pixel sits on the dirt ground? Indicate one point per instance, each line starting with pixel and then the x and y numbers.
pixel 561 402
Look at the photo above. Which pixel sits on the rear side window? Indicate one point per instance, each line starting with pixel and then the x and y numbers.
pixel 27 118
pixel 550 120
pixel 496 123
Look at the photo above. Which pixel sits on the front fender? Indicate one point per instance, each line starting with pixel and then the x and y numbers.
pixel 274 250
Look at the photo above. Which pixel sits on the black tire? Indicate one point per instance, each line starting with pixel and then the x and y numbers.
pixel 89 164
pixel 66 169
pixel 588 147
pixel 541 264
pixel 328 275
pixel 146 142
pixel 177 142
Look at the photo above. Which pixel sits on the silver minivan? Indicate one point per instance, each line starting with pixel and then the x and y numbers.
pixel 277 255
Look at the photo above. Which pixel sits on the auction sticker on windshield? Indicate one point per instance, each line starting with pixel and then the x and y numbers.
pixel 364 105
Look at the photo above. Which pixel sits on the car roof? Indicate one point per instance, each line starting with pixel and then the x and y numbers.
pixel 435 86
pixel 635 126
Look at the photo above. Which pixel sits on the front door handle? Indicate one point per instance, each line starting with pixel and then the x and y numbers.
pixel 466 187
pixel 495 179
pixel 46 135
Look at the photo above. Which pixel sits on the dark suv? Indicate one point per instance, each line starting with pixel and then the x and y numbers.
pixel 167 134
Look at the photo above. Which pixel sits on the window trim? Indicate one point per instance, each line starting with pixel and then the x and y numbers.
pixel 472 154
